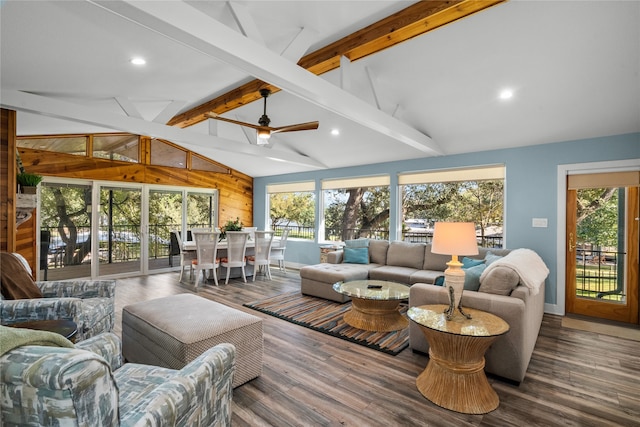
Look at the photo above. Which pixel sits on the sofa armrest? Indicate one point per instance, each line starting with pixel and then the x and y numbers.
pixel 335 257
pixel 107 346
pixel 78 288
pixel 200 393
pixel 57 386
pixel 26 310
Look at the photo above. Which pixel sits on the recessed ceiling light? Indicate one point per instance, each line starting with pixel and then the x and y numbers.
pixel 138 61
pixel 335 132
pixel 506 94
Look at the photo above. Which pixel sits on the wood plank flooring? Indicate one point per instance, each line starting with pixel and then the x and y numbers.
pixel 575 378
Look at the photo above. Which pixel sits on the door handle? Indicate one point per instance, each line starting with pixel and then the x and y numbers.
pixel 572 245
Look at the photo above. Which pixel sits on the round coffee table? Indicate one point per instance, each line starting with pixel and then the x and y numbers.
pixel 374 304
pixel 66 328
pixel 454 377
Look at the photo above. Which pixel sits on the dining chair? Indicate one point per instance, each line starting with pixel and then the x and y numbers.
pixel 186 257
pixel 236 253
pixel 277 250
pixel 262 257
pixel 207 255
pixel 251 231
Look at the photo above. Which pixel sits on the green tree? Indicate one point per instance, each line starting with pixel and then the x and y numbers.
pixel 597 216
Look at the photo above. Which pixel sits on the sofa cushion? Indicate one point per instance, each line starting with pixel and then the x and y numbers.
pixel 392 273
pixel 378 251
pixel 490 257
pixel 333 273
pixel 357 243
pixel 471 262
pixel 356 255
pixel 500 281
pixel 434 261
pixel 405 254
pixel 472 277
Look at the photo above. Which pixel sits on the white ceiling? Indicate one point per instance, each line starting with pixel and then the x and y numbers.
pixel 573 67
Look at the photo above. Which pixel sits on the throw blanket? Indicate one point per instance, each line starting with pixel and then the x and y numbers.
pixel 11 338
pixel 528 264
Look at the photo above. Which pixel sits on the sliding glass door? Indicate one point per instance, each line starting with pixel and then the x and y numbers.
pixel 119 230
pixel 165 215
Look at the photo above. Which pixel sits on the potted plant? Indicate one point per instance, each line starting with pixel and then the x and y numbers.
pixel 28 182
pixel 230 226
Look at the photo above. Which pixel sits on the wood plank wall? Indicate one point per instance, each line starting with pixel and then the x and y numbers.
pixel 235 189
pixel 7 180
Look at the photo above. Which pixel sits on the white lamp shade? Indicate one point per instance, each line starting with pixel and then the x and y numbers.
pixel 454 238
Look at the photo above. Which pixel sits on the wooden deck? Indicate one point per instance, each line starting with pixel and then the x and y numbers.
pixel 575 378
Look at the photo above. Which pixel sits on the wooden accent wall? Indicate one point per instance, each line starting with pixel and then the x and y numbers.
pixel 7 180
pixel 235 189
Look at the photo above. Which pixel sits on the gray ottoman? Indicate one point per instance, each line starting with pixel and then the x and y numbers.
pixel 174 330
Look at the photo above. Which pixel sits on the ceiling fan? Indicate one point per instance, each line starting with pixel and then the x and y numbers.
pixel 263 130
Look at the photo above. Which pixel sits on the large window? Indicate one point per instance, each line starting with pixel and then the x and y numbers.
pixel 293 206
pixel 470 195
pixel 356 207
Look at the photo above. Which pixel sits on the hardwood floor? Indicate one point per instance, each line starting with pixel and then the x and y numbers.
pixel 575 378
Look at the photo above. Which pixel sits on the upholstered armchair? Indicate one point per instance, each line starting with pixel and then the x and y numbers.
pixel 88 386
pixel 89 303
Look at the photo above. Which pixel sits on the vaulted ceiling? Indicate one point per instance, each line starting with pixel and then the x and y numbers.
pixel 399 80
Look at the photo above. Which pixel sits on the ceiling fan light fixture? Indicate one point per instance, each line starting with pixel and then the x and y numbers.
pixel 263 136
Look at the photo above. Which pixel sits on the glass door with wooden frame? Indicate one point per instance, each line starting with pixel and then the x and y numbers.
pixel 602 246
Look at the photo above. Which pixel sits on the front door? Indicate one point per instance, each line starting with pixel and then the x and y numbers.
pixel 602 246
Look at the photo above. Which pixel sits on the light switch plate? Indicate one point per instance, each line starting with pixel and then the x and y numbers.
pixel 539 222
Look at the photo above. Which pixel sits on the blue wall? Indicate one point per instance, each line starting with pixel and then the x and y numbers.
pixel 531 189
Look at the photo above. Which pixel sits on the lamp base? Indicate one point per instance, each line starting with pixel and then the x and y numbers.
pixel 454 281
pixel 450 312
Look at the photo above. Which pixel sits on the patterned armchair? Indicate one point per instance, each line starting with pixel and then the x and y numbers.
pixel 89 303
pixel 88 386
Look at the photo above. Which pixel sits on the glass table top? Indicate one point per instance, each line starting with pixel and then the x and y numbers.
pixel 373 289
pixel 481 324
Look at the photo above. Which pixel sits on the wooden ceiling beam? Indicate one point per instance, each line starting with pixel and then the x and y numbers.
pixel 417 19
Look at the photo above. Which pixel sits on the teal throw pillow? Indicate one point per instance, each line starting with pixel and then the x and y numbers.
pixel 472 277
pixel 356 255
pixel 490 257
pixel 439 281
pixel 470 262
pixel 357 243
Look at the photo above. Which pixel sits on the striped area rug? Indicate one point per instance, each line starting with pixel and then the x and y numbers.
pixel 326 316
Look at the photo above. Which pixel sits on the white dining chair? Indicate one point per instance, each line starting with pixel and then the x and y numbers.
pixel 251 231
pixel 186 257
pixel 236 253
pixel 207 255
pixel 277 250
pixel 262 257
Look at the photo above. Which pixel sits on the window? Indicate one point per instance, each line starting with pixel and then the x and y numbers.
pixel 76 145
pixel 473 195
pixel 116 147
pixel 293 206
pixel 356 207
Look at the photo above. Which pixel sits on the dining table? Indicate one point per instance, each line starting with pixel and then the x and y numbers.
pixel 190 246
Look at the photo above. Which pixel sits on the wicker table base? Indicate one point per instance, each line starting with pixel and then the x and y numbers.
pixel 375 315
pixel 454 377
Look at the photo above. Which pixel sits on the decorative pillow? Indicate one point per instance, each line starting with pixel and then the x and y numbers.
pixel 472 277
pixel 470 262
pixel 439 281
pixel 357 243
pixel 356 255
pixel 490 257
pixel 15 281
pixel 501 280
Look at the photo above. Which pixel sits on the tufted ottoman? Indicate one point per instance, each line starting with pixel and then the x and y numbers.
pixel 174 330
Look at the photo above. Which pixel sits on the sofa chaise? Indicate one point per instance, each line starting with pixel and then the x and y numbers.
pixel 498 289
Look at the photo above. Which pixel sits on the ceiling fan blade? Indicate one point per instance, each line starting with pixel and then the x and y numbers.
pixel 236 122
pixel 299 126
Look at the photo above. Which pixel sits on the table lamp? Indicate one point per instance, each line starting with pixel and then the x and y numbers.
pixel 454 238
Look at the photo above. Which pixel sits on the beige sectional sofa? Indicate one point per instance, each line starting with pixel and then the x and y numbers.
pixel 501 292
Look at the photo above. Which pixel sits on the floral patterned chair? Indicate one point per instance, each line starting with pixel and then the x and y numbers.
pixel 89 303
pixel 88 386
